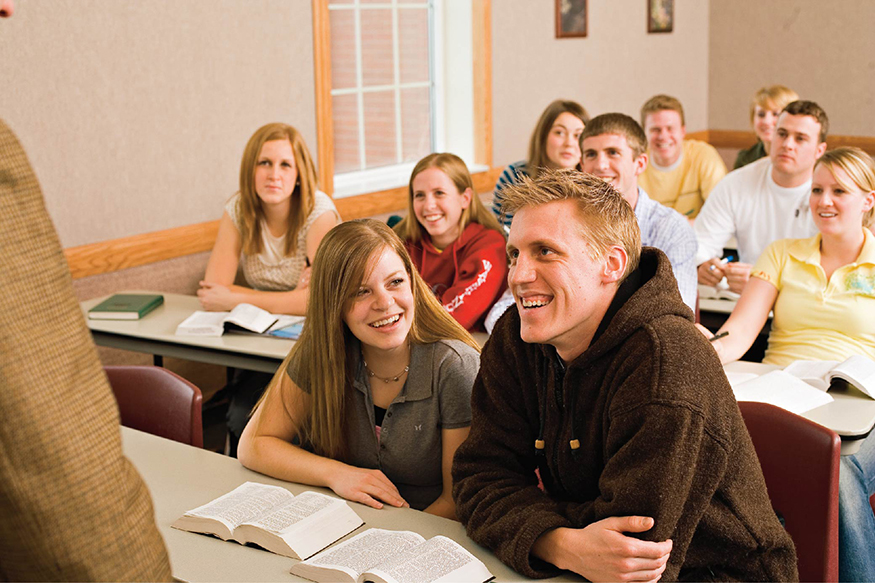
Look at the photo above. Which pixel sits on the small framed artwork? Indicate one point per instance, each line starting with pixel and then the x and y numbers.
pixel 570 18
pixel 660 15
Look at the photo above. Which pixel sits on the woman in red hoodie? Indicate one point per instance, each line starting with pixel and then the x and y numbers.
pixel 455 242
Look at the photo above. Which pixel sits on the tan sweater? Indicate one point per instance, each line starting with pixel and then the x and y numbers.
pixel 660 435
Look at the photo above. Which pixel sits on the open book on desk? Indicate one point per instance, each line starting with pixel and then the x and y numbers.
pixel 858 371
pixel 274 519
pixel 388 556
pixel 803 385
pixel 244 318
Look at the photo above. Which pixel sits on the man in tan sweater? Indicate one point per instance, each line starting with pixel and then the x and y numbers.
pixel 72 507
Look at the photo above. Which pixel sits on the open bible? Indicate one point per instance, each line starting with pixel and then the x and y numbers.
pixel 387 556
pixel 803 385
pixel 274 519
pixel 244 318
pixel 857 370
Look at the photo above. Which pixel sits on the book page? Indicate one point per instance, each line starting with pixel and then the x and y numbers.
pixel 251 318
pixel 363 551
pixel 859 371
pixel 437 559
pixel 783 390
pixel 736 378
pixel 291 513
pixel 202 324
pixel 243 503
pixel 813 372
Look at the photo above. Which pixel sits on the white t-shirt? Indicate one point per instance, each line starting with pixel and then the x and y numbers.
pixel 748 205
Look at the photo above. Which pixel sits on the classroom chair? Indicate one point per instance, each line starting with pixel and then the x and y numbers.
pixel 157 401
pixel 800 462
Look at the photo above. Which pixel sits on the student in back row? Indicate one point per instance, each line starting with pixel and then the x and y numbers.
pixel 765 108
pixel 763 201
pixel 822 291
pixel 680 173
pixel 456 244
pixel 555 143
pixel 375 397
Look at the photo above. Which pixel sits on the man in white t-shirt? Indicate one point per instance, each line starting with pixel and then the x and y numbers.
pixel 764 201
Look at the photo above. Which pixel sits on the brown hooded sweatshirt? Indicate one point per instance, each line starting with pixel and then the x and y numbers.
pixel 660 435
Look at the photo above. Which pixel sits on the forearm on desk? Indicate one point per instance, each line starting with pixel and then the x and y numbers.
pixel 280 459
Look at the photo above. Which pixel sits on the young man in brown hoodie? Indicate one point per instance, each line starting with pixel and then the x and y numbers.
pixel 600 381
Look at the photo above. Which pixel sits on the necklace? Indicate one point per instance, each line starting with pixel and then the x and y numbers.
pixel 387 380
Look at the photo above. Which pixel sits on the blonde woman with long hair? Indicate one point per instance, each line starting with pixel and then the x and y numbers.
pixel 374 398
pixel 271 227
pixel 456 244
pixel 822 291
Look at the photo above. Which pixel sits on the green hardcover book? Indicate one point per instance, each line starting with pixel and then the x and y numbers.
pixel 125 307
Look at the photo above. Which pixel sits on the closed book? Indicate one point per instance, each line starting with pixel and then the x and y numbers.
pixel 125 307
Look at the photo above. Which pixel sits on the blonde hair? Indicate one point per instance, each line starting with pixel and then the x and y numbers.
pixel 324 359
pixel 409 228
pixel 858 166
pixel 537 159
pixel 659 103
pixel 606 219
pixel 778 96
pixel 250 209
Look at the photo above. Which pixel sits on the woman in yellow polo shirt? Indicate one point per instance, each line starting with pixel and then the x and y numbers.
pixel 822 291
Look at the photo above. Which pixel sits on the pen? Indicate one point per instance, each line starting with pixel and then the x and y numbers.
pixel 718 336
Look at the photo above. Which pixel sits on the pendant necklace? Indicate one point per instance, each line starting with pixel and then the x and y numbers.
pixel 387 380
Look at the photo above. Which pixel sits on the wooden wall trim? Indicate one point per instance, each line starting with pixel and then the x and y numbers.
pixel 703 135
pixel 482 25
pixel 322 79
pixel 108 256
pixel 117 254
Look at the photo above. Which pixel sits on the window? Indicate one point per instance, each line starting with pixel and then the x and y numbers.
pixel 393 63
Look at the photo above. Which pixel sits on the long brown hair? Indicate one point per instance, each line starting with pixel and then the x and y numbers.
pixel 538 159
pixel 454 167
pixel 324 358
pixel 250 209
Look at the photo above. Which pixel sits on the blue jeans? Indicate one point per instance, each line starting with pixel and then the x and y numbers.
pixel 856 520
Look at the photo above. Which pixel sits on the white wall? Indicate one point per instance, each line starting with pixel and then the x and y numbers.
pixel 135 114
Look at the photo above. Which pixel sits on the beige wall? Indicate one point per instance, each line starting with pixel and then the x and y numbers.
pixel 616 68
pixel 135 114
pixel 823 50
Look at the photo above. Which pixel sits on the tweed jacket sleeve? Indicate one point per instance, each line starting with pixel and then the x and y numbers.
pixel 72 507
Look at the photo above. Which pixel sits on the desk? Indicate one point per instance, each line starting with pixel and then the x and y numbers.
pixel 181 477
pixel 851 414
pixel 155 334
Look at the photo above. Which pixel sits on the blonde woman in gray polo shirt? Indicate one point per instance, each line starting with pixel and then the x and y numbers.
pixel 374 398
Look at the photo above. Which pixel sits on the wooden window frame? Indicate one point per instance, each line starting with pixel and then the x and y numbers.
pixel 394 199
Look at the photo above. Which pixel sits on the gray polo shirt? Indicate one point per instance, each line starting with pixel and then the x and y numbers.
pixel 436 395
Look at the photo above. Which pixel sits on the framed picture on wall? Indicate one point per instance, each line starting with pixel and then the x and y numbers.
pixel 570 18
pixel 660 15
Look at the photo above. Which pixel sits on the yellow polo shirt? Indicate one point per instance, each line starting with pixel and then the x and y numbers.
pixel 686 186
pixel 816 318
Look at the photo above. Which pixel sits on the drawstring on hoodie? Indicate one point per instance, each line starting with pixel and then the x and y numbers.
pixel 574 443
pixel 539 443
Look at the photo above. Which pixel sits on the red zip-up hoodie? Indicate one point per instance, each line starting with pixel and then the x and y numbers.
pixel 468 276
